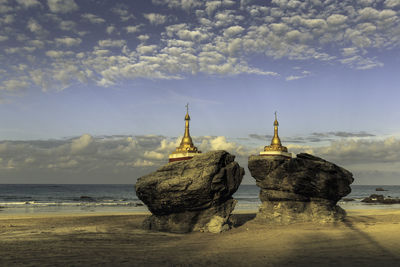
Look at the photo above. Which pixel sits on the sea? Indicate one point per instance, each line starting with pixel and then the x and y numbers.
pixel 118 198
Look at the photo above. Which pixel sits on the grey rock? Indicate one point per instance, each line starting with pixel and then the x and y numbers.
pixel 191 195
pixel 380 199
pixel 300 189
pixel 348 199
pixel 380 189
pixel 215 219
pixel 287 212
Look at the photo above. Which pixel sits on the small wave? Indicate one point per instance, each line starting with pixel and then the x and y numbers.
pixel 5 198
pixel 68 204
pixel 252 200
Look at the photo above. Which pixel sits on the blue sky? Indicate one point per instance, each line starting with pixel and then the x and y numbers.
pixel 117 74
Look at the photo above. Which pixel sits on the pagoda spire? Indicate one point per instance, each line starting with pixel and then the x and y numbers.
pixel 276 141
pixel 186 149
pixel 276 148
pixel 187 139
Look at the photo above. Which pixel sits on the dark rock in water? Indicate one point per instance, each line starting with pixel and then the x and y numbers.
pixel 191 195
pixel 87 198
pixel 380 199
pixel 348 199
pixel 380 189
pixel 300 189
pixel 374 198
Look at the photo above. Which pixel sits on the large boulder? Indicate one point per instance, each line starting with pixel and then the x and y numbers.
pixel 305 188
pixel 192 195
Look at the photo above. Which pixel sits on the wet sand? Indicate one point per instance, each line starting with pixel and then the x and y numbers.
pixel 366 238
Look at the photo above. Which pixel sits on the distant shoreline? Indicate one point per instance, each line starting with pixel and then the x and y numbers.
pixel 56 198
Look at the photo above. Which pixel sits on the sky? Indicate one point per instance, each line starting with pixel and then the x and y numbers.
pixel 95 91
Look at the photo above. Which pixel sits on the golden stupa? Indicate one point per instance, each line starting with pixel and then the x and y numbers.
pixel 186 149
pixel 276 148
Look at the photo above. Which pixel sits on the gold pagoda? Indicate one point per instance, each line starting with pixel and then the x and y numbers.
pixel 186 149
pixel 276 148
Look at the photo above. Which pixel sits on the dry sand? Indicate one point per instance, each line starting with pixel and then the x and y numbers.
pixel 367 238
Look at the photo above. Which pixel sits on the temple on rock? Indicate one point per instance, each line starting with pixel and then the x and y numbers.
pixel 276 148
pixel 186 149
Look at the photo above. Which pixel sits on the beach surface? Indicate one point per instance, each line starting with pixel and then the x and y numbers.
pixel 366 238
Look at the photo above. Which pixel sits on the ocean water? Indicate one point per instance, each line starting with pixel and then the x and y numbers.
pixel 72 198
pixel 37 198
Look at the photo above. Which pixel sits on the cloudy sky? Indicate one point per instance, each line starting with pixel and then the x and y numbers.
pixel 94 91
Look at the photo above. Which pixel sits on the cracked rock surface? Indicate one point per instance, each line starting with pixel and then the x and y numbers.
pixel 192 195
pixel 305 188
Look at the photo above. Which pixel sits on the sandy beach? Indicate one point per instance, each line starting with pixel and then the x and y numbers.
pixel 367 238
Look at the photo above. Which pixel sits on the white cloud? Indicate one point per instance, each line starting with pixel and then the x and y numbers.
pixel 362 151
pixel 153 155
pixel 93 18
pixel 155 18
pixel 336 19
pixel 123 11
pixel 40 79
pixel 4 7
pixel 29 3
pixel 7 19
pixel 217 143
pixel 279 28
pixel 220 143
pixel 225 18
pixel 369 13
pixel 142 163
pixel 58 54
pixel 303 74
pixel 146 49
pixel 392 3
pixel 365 2
pixel 168 146
pixel 143 37
pixel 132 29
pixel 112 43
pixel 97 158
pixel 68 41
pixel 293 77
pixel 362 63
pixel 110 29
pixel 63 165
pixel 10 164
pixel 195 35
pixel 67 25
pixel 233 30
pixel 14 85
pixel 218 40
pixel 34 26
pixel 81 143
pixel 62 6
pixel 211 6
pixel 182 4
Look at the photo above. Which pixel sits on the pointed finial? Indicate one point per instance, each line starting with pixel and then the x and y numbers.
pixel 276 120
pixel 187 117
